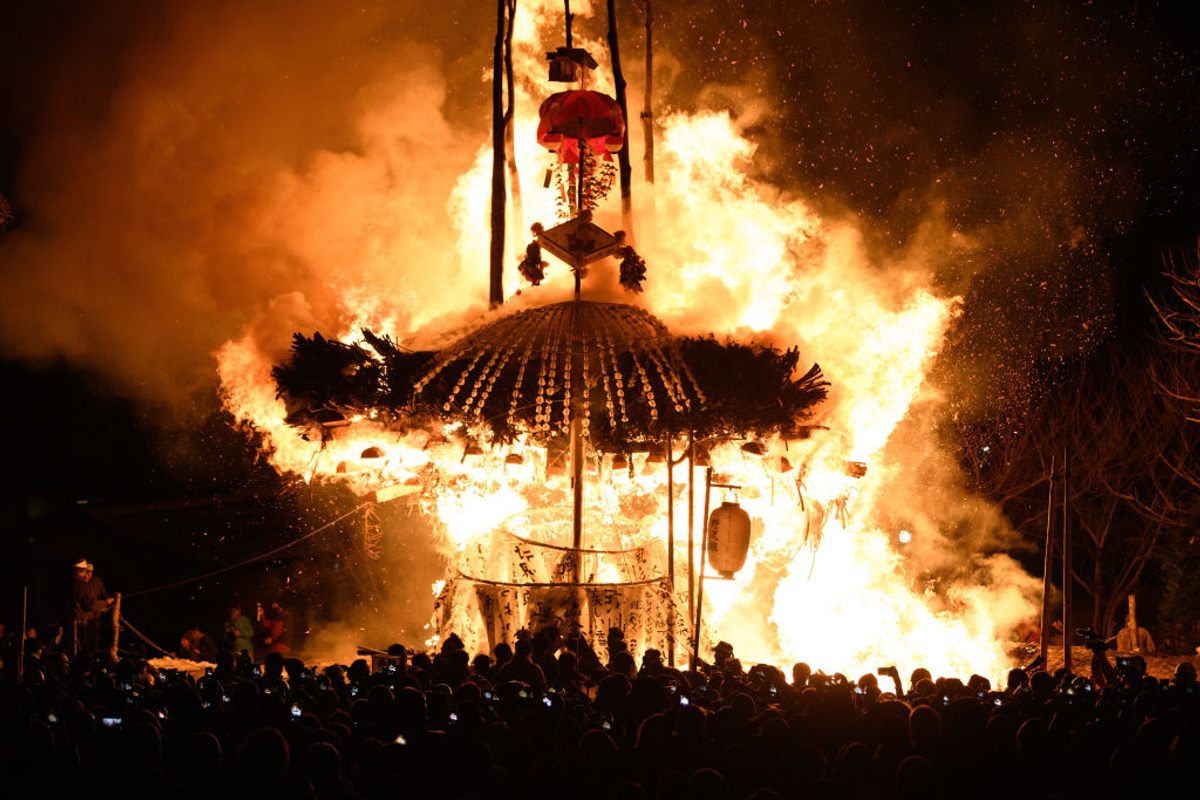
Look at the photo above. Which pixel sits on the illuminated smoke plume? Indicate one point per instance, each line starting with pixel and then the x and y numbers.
pixel 212 177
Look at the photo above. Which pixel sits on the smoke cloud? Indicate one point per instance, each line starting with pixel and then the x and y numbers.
pixel 179 169
pixel 204 164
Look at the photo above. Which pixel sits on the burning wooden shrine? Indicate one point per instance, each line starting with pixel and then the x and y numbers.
pixel 580 387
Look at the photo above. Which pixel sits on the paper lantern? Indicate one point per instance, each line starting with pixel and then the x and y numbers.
pixel 569 118
pixel 728 538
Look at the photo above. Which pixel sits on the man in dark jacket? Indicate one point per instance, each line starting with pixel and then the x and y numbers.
pixel 90 601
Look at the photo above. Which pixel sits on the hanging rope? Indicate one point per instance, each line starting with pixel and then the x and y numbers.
pixel 252 559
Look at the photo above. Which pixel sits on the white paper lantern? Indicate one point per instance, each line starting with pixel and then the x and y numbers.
pixel 728 538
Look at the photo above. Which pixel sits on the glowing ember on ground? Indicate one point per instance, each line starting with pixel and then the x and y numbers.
pixel 731 255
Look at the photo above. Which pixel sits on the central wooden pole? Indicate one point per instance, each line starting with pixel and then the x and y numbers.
pixel 577 445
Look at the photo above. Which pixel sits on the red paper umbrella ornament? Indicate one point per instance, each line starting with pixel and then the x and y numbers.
pixel 569 118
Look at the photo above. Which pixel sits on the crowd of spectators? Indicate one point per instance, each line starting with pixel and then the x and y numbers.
pixel 545 717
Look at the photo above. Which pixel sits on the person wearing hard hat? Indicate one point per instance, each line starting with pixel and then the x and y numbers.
pixel 90 601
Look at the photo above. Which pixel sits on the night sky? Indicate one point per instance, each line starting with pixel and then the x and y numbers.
pixel 1062 136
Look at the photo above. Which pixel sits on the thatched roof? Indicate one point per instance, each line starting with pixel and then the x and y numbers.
pixel 616 365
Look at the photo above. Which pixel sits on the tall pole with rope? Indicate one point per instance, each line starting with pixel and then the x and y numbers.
pixel 1048 566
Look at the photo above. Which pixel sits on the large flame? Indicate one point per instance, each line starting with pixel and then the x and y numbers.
pixel 825 581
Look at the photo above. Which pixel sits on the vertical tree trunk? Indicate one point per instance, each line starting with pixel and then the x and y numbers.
pixel 614 49
pixel 496 284
pixel 648 103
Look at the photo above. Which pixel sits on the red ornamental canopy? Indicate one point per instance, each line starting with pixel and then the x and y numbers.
pixel 568 117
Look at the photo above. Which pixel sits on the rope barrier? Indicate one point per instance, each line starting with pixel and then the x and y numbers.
pixel 125 621
pixel 250 560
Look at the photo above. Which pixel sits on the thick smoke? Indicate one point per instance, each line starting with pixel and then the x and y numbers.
pixel 179 170
pixel 211 163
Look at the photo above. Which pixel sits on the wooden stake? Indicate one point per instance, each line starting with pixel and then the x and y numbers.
pixel 116 627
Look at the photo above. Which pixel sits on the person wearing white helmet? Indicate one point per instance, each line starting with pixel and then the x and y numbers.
pixel 91 599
